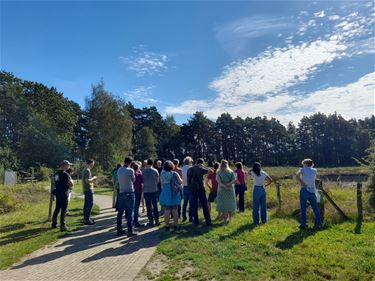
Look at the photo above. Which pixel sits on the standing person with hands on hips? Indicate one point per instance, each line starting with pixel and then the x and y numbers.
pixel 88 190
pixel 259 194
pixel 306 177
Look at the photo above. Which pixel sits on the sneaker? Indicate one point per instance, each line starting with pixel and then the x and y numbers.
pixel 64 228
pixel 131 234
pixel 120 232
pixel 157 223
pixel 184 219
pixel 53 225
pixel 88 222
pixel 92 221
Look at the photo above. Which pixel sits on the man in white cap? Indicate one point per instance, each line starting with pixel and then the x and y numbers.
pixel 62 184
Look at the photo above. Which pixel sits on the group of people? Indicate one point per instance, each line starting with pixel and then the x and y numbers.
pixel 181 190
pixel 62 188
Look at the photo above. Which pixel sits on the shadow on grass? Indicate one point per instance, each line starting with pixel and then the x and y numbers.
pixel 295 238
pixel 11 227
pixel 22 235
pixel 247 227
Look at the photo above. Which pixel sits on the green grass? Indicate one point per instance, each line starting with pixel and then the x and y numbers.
pixel 101 190
pixel 277 250
pixel 27 229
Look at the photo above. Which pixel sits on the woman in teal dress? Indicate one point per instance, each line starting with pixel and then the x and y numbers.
pixel 226 198
pixel 170 198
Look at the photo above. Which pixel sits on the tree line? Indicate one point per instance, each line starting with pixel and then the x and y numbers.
pixel 40 127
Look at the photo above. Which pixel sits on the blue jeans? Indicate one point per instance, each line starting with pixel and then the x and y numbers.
pixel 151 199
pixel 259 200
pixel 89 202
pixel 138 197
pixel 186 197
pixel 125 204
pixel 201 196
pixel 305 196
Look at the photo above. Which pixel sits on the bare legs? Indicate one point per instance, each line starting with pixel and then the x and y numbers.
pixel 167 215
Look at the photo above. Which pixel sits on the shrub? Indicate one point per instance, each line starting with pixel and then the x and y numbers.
pixel 43 174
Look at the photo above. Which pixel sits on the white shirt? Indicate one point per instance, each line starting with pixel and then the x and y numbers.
pixel 184 169
pixel 308 176
pixel 259 180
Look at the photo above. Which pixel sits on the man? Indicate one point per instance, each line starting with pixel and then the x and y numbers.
pixel 188 163
pixel 88 191
pixel 62 184
pixel 197 192
pixel 150 192
pixel 126 197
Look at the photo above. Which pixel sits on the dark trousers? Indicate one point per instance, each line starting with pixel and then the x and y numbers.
pixel 151 199
pixel 240 192
pixel 186 197
pixel 89 202
pixel 61 205
pixel 125 204
pixel 200 195
pixel 137 202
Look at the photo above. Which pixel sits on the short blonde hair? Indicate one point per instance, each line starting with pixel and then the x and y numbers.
pixel 307 162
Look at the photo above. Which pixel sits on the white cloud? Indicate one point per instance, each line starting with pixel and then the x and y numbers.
pixel 261 85
pixel 141 94
pixel 146 63
pixel 334 17
pixel 234 36
pixel 355 100
pixel 320 14
pixel 273 71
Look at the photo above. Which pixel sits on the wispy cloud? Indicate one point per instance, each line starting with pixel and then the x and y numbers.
pixel 262 85
pixel 145 62
pixel 235 35
pixel 141 94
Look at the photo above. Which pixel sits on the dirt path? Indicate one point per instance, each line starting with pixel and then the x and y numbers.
pixel 92 253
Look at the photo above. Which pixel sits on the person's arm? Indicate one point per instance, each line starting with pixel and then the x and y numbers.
pixel 299 178
pixel 207 182
pixel 269 180
pixel 230 184
pixel 133 176
pixel 179 179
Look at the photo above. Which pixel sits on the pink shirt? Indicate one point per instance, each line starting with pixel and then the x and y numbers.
pixel 241 174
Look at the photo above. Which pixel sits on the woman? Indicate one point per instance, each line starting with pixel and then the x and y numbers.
pixel 259 193
pixel 138 190
pixel 240 186
pixel 170 198
pixel 226 199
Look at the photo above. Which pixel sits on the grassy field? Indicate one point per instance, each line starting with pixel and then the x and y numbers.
pixel 277 250
pixel 25 228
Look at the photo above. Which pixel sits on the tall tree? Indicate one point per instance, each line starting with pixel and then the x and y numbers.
pixel 109 128
pixel 146 144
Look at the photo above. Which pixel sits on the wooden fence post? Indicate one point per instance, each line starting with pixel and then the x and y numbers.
pixel 51 198
pixel 319 184
pixel 359 208
pixel 278 195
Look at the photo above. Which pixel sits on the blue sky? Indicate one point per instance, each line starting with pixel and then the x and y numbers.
pixel 282 59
